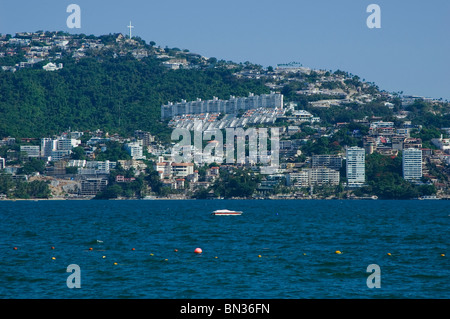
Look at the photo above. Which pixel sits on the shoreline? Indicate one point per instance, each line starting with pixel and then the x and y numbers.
pixel 209 199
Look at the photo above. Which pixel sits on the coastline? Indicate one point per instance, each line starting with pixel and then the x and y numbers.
pixel 177 199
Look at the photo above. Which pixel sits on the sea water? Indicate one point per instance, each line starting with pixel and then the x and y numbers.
pixel 277 249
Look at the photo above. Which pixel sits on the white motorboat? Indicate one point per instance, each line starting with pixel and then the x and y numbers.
pixel 226 212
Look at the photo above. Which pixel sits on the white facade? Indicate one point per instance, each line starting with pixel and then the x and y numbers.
pixel 441 143
pixel 76 163
pixel 58 155
pixel 170 169
pixel 31 150
pixel 313 176
pixel 59 148
pixel 67 144
pixel 300 179
pixel 381 124
pixel 412 164
pixel 47 146
pixel 52 66
pixel 323 176
pixel 356 166
pixel 182 169
pixel 233 105
pixel 93 167
pixel 135 150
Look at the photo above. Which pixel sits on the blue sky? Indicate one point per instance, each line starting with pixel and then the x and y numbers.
pixel 410 53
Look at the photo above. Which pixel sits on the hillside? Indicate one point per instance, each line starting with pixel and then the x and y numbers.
pixel 105 90
pixel 117 85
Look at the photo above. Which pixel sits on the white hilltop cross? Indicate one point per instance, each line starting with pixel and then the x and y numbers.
pixel 130 26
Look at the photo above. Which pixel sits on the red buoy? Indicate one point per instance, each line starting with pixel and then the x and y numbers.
pixel 198 250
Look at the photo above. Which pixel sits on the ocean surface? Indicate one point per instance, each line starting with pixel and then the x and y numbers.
pixel 277 249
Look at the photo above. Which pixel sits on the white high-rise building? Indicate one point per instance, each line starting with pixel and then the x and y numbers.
pixel 356 166
pixel 412 164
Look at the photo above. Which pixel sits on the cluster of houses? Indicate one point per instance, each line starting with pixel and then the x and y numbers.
pixel 34 47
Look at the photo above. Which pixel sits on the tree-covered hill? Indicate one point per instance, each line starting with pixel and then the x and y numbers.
pixel 118 85
pixel 118 94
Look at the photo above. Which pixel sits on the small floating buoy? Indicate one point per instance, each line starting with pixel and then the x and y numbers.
pixel 53 247
pixel 90 248
pixel 389 254
pixel 15 248
pixel 198 250
pixel 115 263
pixel 175 250
pixel 259 256
pixel 133 248
pixel 53 258
pixel 338 252
pixel 442 255
pixel 103 257
pixel 151 254
pixel 166 259
pixel 216 257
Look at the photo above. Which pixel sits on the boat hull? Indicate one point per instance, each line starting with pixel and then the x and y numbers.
pixel 226 213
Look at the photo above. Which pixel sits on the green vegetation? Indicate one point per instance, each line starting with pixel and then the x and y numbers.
pixel 113 94
pixel 384 176
pixel 133 189
pixel 114 152
pixel 21 189
pixel 348 112
pixel 430 115
pixel 110 90
pixel 237 183
pixel 32 166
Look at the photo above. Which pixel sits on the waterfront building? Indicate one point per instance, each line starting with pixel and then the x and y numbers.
pixel 91 186
pixel 412 164
pixel 319 176
pixel 356 176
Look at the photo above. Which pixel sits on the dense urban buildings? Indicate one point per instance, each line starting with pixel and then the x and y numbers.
pixel 117 154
